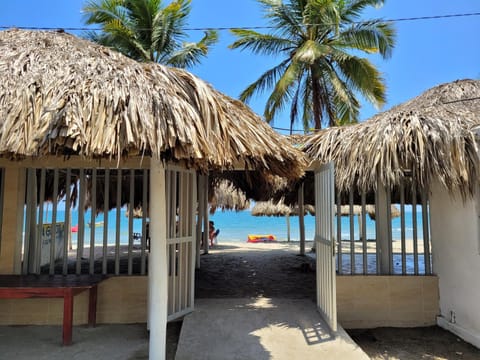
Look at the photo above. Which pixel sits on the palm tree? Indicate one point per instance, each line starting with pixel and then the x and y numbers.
pixel 145 30
pixel 320 73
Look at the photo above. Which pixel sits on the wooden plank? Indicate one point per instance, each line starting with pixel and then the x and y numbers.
pixel 414 225
pixel 198 238
pixel 2 190
pixel 339 234
pixel 205 217
pixel 105 220
pixel 426 234
pixel 130 221
pixel 51 269
pixel 364 232
pixel 389 232
pixel 402 230
pixel 157 276
pixel 39 228
pixel 66 287
pixel 67 317
pixel 192 245
pixel 68 224
pixel 143 259
pixel 81 222
pixel 93 230
pixel 118 222
pixel 301 217
pixel 352 232
pixel 30 218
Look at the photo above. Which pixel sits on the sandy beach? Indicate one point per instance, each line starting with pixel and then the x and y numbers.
pixel 240 269
pixel 235 270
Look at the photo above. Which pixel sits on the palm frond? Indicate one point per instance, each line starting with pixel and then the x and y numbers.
pixel 265 81
pixel 262 44
pixel 371 37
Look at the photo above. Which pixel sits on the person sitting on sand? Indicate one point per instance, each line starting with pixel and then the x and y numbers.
pixel 212 233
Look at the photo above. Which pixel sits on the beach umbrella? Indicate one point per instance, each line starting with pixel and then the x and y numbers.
pixel 226 196
pixel 429 137
pixel 65 96
pixel 279 208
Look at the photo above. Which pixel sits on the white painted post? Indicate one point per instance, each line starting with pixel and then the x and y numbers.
pixel 206 240
pixel 12 214
pixel 157 264
pixel 287 219
pixel 301 219
pixel 200 215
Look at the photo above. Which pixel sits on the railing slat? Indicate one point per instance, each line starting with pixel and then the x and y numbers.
pixel 339 234
pixel 364 232
pixel 402 229
pixel 426 234
pixel 68 223
pixel 352 233
pixel 117 221
pixel 53 243
pixel 93 213
pixel 81 223
pixel 106 209
pixel 143 261
pixel 131 206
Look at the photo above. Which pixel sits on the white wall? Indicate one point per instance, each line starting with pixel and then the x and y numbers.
pixel 456 261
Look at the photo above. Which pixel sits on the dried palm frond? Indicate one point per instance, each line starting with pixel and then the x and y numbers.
pixel 227 197
pixel 61 95
pixel 426 138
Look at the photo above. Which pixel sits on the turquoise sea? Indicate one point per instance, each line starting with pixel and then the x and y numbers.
pixel 236 226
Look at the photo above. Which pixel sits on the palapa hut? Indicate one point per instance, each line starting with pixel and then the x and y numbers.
pixel 85 114
pixel 423 153
pixel 226 196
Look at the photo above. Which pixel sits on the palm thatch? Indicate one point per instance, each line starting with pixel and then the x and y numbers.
pixel 426 138
pixel 226 196
pixel 63 95
pixel 279 208
pixel 256 185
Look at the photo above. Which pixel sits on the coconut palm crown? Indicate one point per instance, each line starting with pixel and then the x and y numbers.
pixel 319 73
pixel 145 30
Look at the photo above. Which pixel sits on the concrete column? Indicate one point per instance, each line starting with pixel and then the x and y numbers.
pixel 157 263
pixel 12 222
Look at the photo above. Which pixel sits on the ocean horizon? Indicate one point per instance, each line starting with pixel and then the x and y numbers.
pixel 237 225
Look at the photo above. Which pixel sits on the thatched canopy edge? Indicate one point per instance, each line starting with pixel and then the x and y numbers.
pixel 61 95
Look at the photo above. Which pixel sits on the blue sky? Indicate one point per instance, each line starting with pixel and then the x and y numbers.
pixel 428 52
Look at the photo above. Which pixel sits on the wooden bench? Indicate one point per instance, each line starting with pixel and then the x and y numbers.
pixel 54 286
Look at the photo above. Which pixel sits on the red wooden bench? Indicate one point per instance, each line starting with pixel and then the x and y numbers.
pixel 54 286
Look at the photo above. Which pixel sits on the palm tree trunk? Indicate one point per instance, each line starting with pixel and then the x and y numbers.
pixel 317 114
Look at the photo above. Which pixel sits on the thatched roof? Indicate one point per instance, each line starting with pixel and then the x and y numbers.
pixel 225 196
pixel 63 95
pixel 428 137
pixel 278 208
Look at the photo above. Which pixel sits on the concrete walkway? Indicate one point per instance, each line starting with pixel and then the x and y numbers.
pixel 261 329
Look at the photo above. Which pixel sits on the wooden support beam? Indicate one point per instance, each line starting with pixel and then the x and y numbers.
pixel 157 274
pixel 12 227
